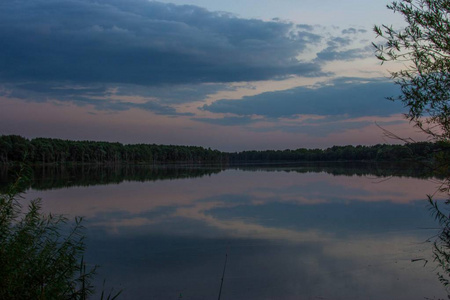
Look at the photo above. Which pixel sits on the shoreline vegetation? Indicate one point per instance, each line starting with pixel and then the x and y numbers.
pixel 42 254
pixel 49 151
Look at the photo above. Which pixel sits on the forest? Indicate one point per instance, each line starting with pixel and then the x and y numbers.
pixel 15 148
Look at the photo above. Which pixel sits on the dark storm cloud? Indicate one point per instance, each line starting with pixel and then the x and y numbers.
pixel 141 42
pixel 343 97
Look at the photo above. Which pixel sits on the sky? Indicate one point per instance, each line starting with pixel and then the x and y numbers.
pixel 229 75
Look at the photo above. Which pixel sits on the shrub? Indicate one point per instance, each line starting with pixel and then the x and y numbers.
pixel 41 255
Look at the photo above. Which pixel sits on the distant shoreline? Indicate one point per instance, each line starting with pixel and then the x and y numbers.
pixel 48 151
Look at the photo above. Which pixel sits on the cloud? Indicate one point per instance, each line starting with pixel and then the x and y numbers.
pixel 317 130
pixel 346 47
pixel 305 27
pixel 145 43
pixel 227 121
pixel 153 106
pixel 158 108
pixel 103 53
pixel 339 41
pixel 334 53
pixel 107 97
pixel 331 217
pixel 352 30
pixel 350 97
pixel 324 127
pixel 173 94
pixel 45 91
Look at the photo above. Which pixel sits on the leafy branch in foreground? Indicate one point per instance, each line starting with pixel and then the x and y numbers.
pixel 41 256
pixel 423 48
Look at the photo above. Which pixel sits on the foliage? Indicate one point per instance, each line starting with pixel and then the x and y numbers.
pixel 415 151
pixel 15 148
pixel 41 257
pixel 423 48
pixel 56 151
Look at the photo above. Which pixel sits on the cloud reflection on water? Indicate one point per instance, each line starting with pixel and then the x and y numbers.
pixel 291 235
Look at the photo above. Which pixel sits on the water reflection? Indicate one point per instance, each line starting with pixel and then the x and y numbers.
pixel 46 177
pixel 292 234
pixel 61 176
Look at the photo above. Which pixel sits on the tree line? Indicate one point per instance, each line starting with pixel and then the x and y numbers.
pixel 15 148
pixel 420 151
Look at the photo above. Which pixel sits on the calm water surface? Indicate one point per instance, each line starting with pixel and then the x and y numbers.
pixel 290 232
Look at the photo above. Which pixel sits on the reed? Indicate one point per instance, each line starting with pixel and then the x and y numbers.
pixel 41 255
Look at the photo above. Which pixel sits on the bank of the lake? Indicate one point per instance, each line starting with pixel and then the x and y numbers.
pixel 14 148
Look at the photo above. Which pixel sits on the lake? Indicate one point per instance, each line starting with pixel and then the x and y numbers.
pixel 341 231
